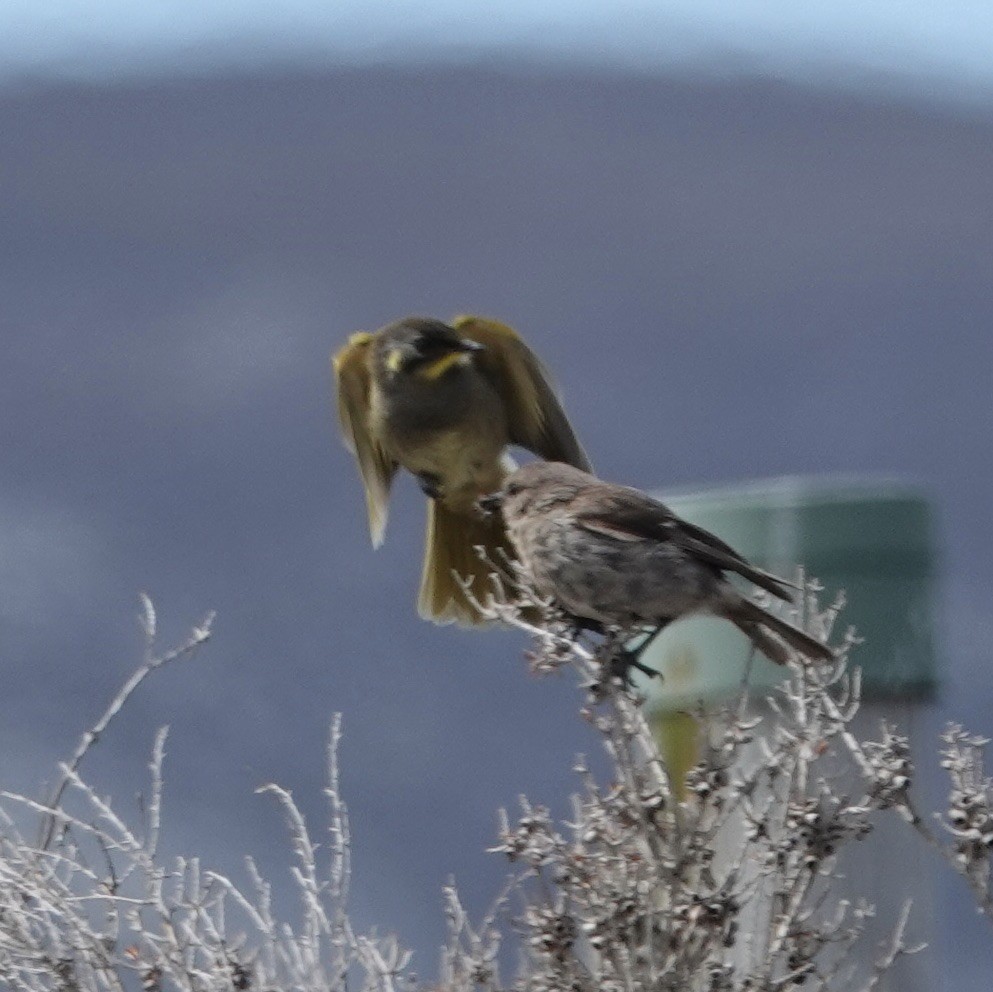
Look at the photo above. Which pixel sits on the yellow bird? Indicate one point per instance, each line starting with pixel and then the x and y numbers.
pixel 445 401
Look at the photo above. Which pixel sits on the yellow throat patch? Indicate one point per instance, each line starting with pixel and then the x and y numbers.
pixel 437 368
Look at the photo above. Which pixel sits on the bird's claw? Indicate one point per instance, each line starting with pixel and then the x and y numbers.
pixel 620 663
pixel 623 658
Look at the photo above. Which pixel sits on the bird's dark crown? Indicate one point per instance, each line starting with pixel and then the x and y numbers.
pixel 538 485
pixel 418 342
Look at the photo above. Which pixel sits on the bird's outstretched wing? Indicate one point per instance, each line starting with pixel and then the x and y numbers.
pixel 535 416
pixel 353 380
pixel 629 515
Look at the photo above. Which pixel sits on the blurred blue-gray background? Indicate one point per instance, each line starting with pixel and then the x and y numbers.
pixel 749 241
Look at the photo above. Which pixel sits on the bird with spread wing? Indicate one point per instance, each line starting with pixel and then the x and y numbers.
pixel 445 401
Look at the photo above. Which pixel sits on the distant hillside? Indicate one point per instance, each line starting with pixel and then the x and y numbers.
pixel 729 280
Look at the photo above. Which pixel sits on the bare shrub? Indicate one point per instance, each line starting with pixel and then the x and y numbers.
pixel 733 888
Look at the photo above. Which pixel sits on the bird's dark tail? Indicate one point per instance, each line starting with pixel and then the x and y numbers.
pixel 768 632
pixel 450 547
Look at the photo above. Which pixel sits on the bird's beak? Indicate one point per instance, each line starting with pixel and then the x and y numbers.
pixel 490 504
pixel 467 344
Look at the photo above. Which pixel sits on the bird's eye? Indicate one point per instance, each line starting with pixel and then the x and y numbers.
pixel 429 343
pixel 513 489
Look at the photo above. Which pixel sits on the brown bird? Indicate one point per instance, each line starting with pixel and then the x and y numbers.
pixel 613 557
pixel 444 401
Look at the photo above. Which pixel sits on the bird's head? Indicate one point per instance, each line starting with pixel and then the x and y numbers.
pixel 534 487
pixel 423 347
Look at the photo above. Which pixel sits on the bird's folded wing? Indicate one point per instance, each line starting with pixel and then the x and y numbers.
pixel 353 379
pixel 627 514
pixel 535 416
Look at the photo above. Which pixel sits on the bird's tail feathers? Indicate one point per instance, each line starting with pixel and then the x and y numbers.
pixel 450 550
pixel 768 632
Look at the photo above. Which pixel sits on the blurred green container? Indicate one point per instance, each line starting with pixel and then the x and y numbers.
pixel 871 538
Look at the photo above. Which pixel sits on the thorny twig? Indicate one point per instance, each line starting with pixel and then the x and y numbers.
pixel 733 888
pixel 149 622
pixel 67 927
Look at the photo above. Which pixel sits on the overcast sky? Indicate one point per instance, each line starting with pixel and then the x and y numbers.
pixel 942 45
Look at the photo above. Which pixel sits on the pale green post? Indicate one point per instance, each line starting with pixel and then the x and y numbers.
pixel 871 538
pixel 875 540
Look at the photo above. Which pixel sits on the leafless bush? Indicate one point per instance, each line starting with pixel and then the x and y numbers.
pixel 733 888
pixel 91 906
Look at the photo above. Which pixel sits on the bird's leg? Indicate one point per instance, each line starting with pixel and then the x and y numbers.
pixel 649 637
pixel 621 658
pixel 625 658
pixel 430 483
pixel 622 661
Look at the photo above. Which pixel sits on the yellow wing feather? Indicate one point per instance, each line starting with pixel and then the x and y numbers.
pixel 535 415
pixel 353 379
